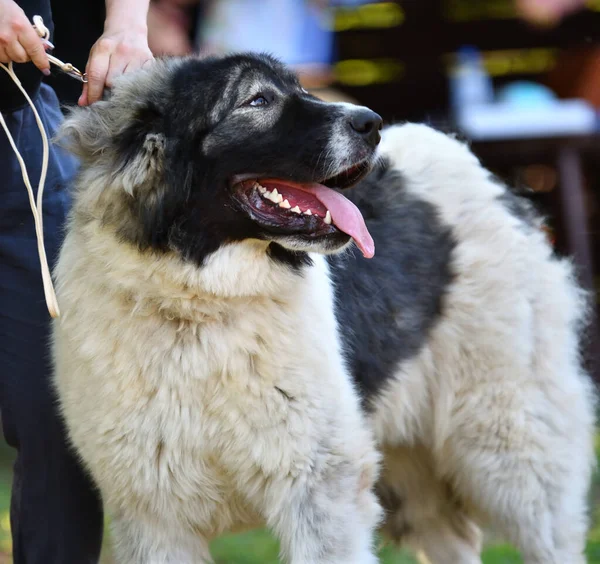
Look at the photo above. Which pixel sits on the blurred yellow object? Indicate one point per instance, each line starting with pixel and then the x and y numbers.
pixel 369 16
pixel 519 61
pixel 5 522
pixel 513 61
pixel 362 72
pixel 467 10
pixel 5 538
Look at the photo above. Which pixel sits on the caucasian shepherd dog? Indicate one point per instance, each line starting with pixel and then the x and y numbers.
pixel 221 364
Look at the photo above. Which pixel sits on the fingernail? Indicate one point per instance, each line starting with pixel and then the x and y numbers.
pixel 46 72
pixel 48 44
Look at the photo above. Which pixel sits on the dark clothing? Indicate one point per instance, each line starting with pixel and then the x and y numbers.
pixel 56 514
pixel 78 25
pixel 10 96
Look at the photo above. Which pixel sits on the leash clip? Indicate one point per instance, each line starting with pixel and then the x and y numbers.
pixel 68 69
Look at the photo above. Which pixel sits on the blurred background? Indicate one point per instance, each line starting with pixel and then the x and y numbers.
pixel 518 79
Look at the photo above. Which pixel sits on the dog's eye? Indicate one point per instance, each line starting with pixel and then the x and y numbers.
pixel 259 101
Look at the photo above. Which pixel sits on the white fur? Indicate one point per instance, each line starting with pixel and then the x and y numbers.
pixel 211 400
pixel 493 420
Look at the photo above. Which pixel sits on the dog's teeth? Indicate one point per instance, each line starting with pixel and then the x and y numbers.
pixel 327 219
pixel 285 204
pixel 275 196
pixel 308 212
pixel 296 209
pixel 262 189
pixel 267 194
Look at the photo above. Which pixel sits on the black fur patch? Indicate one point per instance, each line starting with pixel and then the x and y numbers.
pixel 387 305
pixel 294 259
pixel 517 203
pixel 521 208
pixel 210 134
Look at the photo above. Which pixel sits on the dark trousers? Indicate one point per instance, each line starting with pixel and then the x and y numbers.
pixel 56 514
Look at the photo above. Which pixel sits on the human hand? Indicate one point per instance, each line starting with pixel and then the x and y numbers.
pixel 119 50
pixel 19 42
pixel 547 12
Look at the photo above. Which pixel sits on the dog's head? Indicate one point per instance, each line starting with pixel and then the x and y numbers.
pixel 197 153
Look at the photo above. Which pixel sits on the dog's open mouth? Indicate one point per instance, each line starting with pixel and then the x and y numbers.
pixel 348 177
pixel 311 209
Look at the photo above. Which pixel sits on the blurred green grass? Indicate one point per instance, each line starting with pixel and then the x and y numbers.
pixel 259 547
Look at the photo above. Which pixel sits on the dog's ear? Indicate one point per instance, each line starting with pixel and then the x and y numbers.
pixel 145 164
pixel 124 132
pixel 127 140
pixel 140 150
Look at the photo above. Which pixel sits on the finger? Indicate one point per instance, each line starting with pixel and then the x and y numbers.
pixel 34 46
pixel 83 99
pixel 17 53
pixel 96 71
pixel 116 68
pixel 4 58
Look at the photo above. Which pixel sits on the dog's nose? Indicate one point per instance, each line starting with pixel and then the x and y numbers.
pixel 367 124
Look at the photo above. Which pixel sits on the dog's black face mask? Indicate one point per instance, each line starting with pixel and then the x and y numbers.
pixel 215 151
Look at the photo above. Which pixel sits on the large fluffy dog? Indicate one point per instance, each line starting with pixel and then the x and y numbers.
pixel 198 360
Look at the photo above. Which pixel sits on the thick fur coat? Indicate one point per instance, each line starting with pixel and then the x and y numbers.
pixel 491 419
pixel 217 372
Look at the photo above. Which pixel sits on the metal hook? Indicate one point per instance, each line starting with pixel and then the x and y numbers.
pixel 68 69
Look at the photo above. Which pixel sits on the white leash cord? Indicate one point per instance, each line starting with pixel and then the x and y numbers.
pixel 36 208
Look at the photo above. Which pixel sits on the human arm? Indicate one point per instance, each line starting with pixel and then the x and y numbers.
pixel 169 25
pixel 123 47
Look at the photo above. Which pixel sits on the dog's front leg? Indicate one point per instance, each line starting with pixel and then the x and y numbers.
pixel 324 510
pixel 157 541
pixel 328 522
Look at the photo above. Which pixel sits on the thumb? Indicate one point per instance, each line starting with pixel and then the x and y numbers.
pixel 83 99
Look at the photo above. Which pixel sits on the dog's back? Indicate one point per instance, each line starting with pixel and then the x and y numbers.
pixel 466 346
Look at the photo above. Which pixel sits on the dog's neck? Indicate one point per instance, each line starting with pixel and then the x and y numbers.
pixel 164 282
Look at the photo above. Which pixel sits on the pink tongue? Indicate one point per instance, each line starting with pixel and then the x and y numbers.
pixel 345 215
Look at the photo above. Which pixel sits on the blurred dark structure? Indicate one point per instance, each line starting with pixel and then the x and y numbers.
pixel 396 57
pixel 77 26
